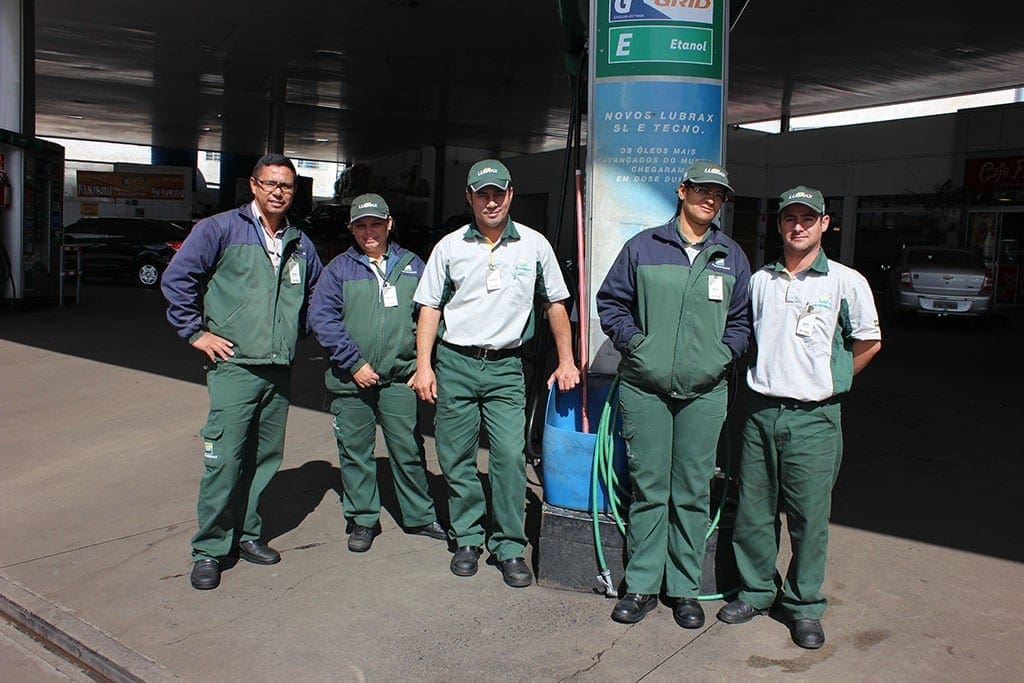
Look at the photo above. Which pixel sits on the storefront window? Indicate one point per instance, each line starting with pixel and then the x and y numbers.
pixel 1011 241
pixel 981 235
pixel 1010 270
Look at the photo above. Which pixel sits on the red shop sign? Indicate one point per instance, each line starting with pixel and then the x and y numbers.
pixel 1001 173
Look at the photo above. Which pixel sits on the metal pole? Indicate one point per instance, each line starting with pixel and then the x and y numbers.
pixel 582 303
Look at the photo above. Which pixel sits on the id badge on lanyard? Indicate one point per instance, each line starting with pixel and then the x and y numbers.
pixel 805 323
pixel 493 280
pixel 389 294
pixel 716 288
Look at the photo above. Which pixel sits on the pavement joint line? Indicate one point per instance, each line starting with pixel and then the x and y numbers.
pixel 92 545
pixel 682 647
pixel 80 642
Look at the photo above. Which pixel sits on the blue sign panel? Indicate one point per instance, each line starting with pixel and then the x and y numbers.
pixel 698 11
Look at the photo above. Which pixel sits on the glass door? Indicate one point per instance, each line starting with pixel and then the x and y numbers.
pixel 1010 259
pixel 999 237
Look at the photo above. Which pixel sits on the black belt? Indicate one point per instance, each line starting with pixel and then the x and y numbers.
pixel 794 404
pixel 483 354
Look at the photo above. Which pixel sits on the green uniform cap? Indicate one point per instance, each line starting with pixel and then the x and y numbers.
pixel 488 172
pixel 369 205
pixel 704 171
pixel 801 194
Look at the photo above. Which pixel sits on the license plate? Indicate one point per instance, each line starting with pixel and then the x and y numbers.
pixel 945 305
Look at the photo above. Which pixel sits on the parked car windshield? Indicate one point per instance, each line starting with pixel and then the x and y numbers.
pixel 944 257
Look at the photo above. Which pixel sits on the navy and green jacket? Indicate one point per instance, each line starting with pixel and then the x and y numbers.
pixel 222 281
pixel 656 308
pixel 350 321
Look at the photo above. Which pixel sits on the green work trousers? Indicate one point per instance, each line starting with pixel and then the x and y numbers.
pixel 243 445
pixel 469 389
pixel 355 428
pixel 671 446
pixel 790 461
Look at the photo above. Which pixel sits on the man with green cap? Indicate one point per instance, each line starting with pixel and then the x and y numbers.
pixel 363 314
pixel 477 294
pixel 674 304
pixel 815 327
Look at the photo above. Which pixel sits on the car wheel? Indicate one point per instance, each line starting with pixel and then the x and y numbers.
pixel 147 274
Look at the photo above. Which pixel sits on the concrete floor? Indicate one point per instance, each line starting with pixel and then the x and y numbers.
pixel 100 462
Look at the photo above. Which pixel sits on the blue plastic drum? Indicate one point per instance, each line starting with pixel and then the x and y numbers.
pixel 568 453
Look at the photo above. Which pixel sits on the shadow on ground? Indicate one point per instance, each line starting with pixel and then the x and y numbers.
pixel 934 435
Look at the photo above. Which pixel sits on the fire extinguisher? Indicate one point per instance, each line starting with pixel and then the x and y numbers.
pixel 5 191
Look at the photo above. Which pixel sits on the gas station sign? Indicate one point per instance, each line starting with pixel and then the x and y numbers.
pixel 657 105
pixel 680 44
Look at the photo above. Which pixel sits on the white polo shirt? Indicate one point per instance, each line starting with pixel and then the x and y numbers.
pixel 486 291
pixel 803 327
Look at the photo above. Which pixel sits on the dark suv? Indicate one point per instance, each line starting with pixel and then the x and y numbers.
pixel 137 247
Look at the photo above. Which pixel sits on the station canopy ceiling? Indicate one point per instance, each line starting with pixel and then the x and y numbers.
pixel 365 79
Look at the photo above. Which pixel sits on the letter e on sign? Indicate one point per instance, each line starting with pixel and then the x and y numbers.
pixel 624 43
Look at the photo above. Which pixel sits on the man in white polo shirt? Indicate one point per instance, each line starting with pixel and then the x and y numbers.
pixel 477 293
pixel 815 327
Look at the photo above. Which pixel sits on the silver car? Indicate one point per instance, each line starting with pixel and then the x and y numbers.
pixel 940 281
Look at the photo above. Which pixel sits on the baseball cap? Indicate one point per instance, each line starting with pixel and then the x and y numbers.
pixel 369 205
pixel 801 194
pixel 704 171
pixel 488 172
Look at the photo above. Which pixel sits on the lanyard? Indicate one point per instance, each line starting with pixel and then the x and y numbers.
pixel 490 251
pixel 376 267
pixel 388 292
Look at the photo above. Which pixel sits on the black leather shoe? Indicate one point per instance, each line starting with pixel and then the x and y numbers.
pixel 633 607
pixel 433 530
pixel 205 575
pixel 360 540
pixel 688 613
pixel 515 572
pixel 807 633
pixel 258 552
pixel 739 612
pixel 465 559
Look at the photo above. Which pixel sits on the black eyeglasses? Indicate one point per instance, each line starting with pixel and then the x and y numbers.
pixel 274 185
pixel 704 192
